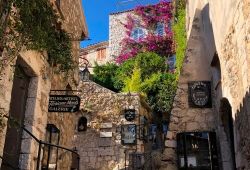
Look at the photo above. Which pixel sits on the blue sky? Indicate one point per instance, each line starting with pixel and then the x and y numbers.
pixel 97 16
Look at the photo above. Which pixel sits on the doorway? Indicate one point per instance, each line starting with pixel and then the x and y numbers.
pixel 227 123
pixel 13 138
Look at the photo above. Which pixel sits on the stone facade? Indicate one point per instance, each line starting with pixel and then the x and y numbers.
pixel 117 31
pixel 42 80
pixel 217 50
pixel 104 111
pixel 96 53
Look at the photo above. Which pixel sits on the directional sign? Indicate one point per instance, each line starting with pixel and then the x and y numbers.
pixel 64 103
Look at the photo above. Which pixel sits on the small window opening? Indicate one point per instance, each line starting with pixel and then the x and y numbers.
pixel 159 29
pixel 137 33
pixel 82 124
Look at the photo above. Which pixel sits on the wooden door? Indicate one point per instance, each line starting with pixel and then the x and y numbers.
pixel 19 93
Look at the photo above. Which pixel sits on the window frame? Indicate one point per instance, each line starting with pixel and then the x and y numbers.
pixel 160 29
pixel 137 35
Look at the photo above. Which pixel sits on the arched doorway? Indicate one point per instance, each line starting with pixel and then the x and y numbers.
pixel 227 123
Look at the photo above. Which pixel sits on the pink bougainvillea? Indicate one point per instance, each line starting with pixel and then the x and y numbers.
pixel 148 17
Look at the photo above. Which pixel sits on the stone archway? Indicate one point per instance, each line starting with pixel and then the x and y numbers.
pixel 228 127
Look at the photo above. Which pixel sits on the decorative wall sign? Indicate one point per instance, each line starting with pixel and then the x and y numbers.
pixel 200 94
pixel 129 114
pixel 128 134
pixel 64 103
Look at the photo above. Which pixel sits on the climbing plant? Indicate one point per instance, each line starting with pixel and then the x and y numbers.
pixel 35 25
pixel 147 18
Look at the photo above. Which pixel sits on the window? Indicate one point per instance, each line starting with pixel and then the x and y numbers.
pixel 159 29
pixel 69 90
pixel 171 62
pixel 197 151
pixel 137 33
pixel 82 124
pixel 101 54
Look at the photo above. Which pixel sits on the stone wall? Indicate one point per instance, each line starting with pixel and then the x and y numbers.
pixel 183 117
pixel 43 79
pixel 100 106
pixel 36 107
pixel 117 32
pixel 74 23
pixel 215 28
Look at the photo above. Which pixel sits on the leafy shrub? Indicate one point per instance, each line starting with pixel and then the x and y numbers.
pixel 105 75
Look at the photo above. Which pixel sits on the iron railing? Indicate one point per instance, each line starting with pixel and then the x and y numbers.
pixel 40 144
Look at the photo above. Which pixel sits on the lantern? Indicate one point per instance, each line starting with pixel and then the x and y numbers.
pixel 85 74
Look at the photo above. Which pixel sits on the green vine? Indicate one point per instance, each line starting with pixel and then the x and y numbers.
pixel 35 25
pixel 179 35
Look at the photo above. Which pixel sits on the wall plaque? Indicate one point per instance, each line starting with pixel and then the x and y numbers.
pixel 200 94
pixel 128 134
pixel 106 125
pixel 64 103
pixel 105 134
pixel 129 114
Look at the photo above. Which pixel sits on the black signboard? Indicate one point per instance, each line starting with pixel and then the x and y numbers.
pixel 128 134
pixel 129 114
pixel 200 94
pixel 64 103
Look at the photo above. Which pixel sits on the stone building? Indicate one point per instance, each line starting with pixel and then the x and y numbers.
pixel 24 96
pixel 95 53
pixel 118 31
pixel 204 133
pixel 111 129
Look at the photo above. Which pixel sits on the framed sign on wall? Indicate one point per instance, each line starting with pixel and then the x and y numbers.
pixel 199 95
pixel 128 134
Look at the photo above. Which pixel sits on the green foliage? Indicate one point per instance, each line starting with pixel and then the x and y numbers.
pixel 133 83
pixel 161 94
pixel 105 75
pixel 124 70
pixel 148 63
pixel 146 72
pixel 180 37
pixel 36 26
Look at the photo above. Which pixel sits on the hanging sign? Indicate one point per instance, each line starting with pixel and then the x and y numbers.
pixel 200 94
pixel 128 134
pixel 64 103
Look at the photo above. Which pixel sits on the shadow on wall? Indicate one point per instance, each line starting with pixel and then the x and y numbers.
pixel 242 129
pixel 225 124
pixel 232 135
